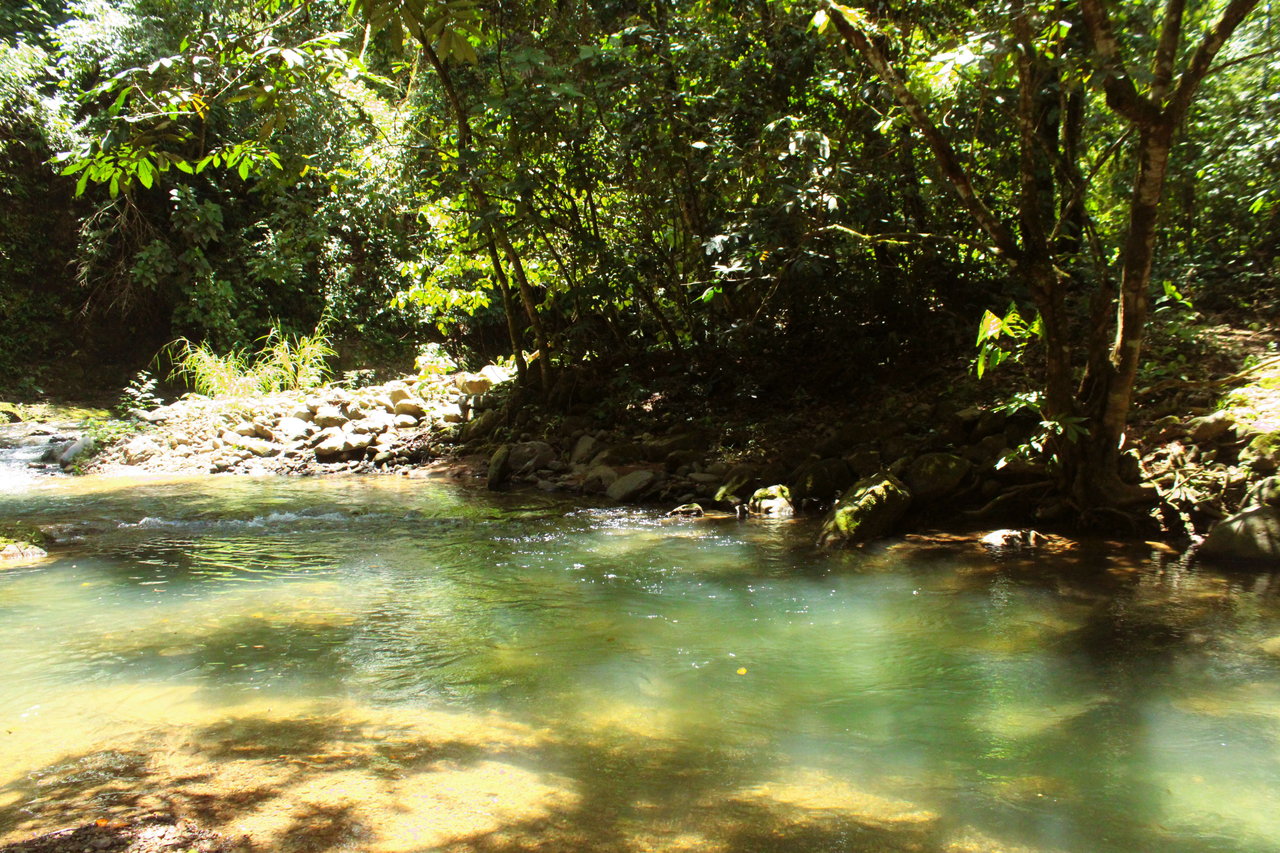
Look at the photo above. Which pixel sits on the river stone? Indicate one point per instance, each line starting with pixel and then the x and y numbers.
pixel 405 422
pixel 472 383
pixel 257 446
pixel 329 416
pixel 869 511
pixel 865 462
pixel 621 454
pixel 631 486
pixel 936 475
pixel 1265 492
pixel 529 456
pixel 1252 535
pixel 659 448
pixel 1262 453
pixel 598 478
pixel 586 449
pixel 499 467
pixel 80 449
pixel 482 425
pixel 820 480
pixel 1210 428
pixel 410 406
pixel 139 450
pixel 292 428
pixel 740 482
pixel 330 442
pixel 21 551
pixel 772 500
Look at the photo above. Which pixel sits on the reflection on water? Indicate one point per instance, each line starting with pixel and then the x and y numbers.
pixel 388 665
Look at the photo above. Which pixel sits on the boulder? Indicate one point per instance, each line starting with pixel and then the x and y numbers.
pixel 659 448
pixel 771 500
pixel 1252 535
pixel 740 483
pixel 1210 428
pixel 864 463
pixel 495 374
pixel 472 383
pixel 631 486
pixel 80 449
pixel 936 475
pixel 529 456
pixel 1262 454
pixel 585 449
pixel 820 480
pixel 482 425
pixel 599 478
pixel 622 454
pixel 499 467
pixel 869 511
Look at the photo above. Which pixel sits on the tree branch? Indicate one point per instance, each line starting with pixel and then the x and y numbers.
pixel 1202 60
pixel 946 156
pixel 1167 52
pixel 1122 96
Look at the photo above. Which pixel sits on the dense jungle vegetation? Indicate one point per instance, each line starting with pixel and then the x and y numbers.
pixel 766 200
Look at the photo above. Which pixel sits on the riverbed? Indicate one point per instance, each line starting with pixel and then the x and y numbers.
pixel 391 664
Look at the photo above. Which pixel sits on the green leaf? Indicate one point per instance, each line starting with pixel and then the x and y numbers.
pixel 146 173
pixel 244 168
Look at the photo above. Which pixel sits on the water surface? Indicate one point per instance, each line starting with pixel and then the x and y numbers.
pixel 389 664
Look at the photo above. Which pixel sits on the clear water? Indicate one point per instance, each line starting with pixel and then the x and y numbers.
pixel 388 664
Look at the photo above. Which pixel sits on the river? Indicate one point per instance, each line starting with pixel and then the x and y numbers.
pixel 392 664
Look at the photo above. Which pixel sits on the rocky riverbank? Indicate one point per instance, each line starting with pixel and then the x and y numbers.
pixel 911 465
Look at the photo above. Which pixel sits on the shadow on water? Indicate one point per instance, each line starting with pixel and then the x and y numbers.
pixel 410 781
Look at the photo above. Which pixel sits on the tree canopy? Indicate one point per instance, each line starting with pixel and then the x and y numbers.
pixel 769 189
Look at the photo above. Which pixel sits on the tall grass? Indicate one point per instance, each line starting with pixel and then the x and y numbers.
pixel 281 363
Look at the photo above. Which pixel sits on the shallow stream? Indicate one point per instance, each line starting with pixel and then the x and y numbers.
pixel 390 664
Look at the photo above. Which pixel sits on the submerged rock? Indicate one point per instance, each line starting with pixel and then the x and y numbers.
pixel 868 512
pixel 688 511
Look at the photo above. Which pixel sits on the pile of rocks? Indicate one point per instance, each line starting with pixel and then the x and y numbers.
pixel 374 427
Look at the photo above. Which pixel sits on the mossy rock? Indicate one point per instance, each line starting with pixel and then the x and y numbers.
pixel 772 500
pixel 740 482
pixel 870 510
pixel 820 480
pixel 936 475
pixel 1262 453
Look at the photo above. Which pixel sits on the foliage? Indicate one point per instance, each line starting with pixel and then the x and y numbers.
pixel 282 363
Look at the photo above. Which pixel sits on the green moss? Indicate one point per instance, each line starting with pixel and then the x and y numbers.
pixel 18 533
